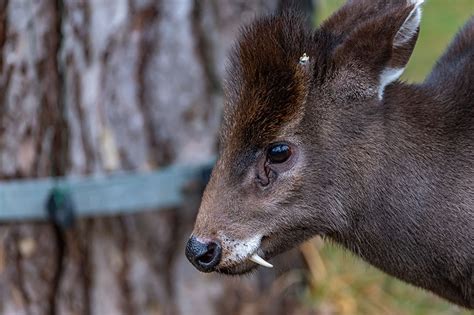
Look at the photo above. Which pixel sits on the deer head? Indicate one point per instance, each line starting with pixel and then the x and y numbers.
pixel 300 136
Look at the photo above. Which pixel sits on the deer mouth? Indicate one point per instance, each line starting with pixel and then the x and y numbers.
pixel 245 264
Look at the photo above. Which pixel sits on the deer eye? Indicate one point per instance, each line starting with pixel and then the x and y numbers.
pixel 278 153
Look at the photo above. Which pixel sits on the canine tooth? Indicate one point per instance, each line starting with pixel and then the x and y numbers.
pixel 259 260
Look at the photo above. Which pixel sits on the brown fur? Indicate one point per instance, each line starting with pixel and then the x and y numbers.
pixel 392 179
pixel 268 87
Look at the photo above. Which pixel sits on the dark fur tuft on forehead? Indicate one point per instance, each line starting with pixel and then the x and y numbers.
pixel 266 85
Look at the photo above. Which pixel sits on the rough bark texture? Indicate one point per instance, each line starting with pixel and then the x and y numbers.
pixel 92 86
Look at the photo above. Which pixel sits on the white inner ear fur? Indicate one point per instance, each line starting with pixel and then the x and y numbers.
pixel 388 76
pixel 404 34
pixel 409 27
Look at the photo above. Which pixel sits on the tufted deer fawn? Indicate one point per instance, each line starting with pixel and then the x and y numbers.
pixel 319 138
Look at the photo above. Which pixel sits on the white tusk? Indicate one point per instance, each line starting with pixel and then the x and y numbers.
pixel 259 260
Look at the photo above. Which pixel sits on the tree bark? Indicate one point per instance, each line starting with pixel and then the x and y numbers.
pixel 96 86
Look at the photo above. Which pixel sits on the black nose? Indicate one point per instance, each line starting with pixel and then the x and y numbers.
pixel 204 256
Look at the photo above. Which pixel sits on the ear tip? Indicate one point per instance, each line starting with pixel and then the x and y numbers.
pixel 416 3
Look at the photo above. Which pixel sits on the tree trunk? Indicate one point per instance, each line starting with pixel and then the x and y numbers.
pixel 95 86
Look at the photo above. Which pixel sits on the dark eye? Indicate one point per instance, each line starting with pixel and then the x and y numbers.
pixel 278 153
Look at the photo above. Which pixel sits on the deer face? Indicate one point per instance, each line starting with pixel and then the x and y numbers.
pixel 288 166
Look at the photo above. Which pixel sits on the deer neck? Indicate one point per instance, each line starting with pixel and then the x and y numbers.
pixel 400 222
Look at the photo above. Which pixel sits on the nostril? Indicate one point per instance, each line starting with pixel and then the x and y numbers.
pixel 204 256
pixel 210 255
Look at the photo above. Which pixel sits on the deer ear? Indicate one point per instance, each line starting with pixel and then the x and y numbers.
pixel 380 47
pixel 352 14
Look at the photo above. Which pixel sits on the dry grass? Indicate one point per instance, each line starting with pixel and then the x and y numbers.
pixel 345 285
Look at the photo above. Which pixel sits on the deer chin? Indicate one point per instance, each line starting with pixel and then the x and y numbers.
pixel 239 269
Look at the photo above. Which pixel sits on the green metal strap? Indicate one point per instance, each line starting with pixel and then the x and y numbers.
pixel 98 195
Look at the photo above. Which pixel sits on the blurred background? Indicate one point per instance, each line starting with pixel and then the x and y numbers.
pixel 93 87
